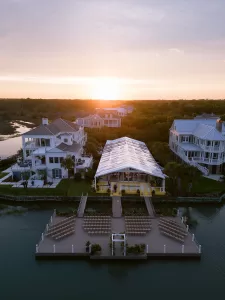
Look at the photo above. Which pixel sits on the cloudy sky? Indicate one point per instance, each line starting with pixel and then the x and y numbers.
pixel 126 49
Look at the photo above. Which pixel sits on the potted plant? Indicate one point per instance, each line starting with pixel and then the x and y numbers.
pixel 138 192
pixel 96 249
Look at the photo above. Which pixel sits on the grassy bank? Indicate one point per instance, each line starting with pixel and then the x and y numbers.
pixel 207 185
pixel 67 187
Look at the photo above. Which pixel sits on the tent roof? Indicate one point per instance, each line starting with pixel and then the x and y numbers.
pixel 125 153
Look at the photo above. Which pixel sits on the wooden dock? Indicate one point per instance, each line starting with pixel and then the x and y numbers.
pixel 158 246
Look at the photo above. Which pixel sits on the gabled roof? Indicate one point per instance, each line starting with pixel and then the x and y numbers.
pixel 189 125
pixel 95 116
pixel 126 153
pixel 57 126
pixel 201 128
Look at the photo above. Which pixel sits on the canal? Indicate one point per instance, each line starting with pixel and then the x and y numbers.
pixel 22 277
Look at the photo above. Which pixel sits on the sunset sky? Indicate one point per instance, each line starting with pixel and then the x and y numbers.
pixel 112 49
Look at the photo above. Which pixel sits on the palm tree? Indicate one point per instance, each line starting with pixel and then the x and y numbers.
pixel 68 163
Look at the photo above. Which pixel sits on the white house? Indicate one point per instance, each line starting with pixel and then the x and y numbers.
pixel 106 119
pixel 45 146
pixel 121 111
pixel 200 142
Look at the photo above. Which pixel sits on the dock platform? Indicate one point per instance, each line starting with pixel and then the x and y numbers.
pixel 158 246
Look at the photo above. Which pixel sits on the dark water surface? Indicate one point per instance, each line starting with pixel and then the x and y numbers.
pixel 22 277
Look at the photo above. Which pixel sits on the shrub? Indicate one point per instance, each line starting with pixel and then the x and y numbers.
pixel 77 176
pixel 123 192
pixel 95 248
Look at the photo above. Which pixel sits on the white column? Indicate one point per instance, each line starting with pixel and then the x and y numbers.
pixel 193 237
pixel 163 184
pixel 42 236
pixel 36 248
pixel 187 228
pixel 53 248
pixel 146 248
pixel 199 249
pixel 182 250
pixel 72 249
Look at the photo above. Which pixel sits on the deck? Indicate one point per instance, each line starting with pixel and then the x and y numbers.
pixel 157 245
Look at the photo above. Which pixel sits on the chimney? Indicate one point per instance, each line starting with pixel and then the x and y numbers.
pixel 219 124
pixel 44 121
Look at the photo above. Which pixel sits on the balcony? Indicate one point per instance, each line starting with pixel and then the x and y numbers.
pixel 210 161
pixel 30 145
pixel 213 149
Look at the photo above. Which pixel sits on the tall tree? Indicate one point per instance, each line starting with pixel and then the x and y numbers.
pixel 68 164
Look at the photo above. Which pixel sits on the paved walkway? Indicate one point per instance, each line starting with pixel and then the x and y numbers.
pixel 82 206
pixel 149 206
pixel 116 207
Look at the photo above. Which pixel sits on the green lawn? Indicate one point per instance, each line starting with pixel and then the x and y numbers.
pixel 67 187
pixel 2 175
pixel 206 185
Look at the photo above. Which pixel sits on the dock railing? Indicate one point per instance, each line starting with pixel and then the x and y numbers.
pixel 194 240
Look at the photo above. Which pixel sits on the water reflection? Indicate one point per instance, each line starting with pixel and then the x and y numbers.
pixel 11 144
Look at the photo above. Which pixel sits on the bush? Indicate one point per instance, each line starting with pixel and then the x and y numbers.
pixel 123 192
pixel 136 249
pixel 95 248
pixel 77 176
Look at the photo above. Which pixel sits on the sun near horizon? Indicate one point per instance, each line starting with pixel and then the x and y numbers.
pixel 105 89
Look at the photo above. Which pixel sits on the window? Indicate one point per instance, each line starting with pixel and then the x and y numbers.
pixel 66 140
pixel 185 139
pixel 57 173
pixel 54 160
pixel 215 155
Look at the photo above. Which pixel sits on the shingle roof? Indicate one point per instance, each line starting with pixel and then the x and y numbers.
pixel 69 148
pixel 57 126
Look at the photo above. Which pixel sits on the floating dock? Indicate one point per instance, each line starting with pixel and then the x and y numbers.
pixel 159 244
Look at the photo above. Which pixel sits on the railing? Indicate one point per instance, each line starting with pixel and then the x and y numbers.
pixel 207 160
pixel 212 149
pixel 192 162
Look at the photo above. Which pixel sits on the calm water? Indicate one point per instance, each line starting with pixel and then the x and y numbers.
pixel 12 144
pixel 21 277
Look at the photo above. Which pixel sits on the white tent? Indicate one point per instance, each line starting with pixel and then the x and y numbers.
pixel 126 153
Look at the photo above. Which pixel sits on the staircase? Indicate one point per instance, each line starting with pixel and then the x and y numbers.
pixel 82 205
pixel 149 206
pixel 193 163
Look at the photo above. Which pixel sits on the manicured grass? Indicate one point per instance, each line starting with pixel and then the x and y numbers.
pixel 207 185
pixel 67 187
